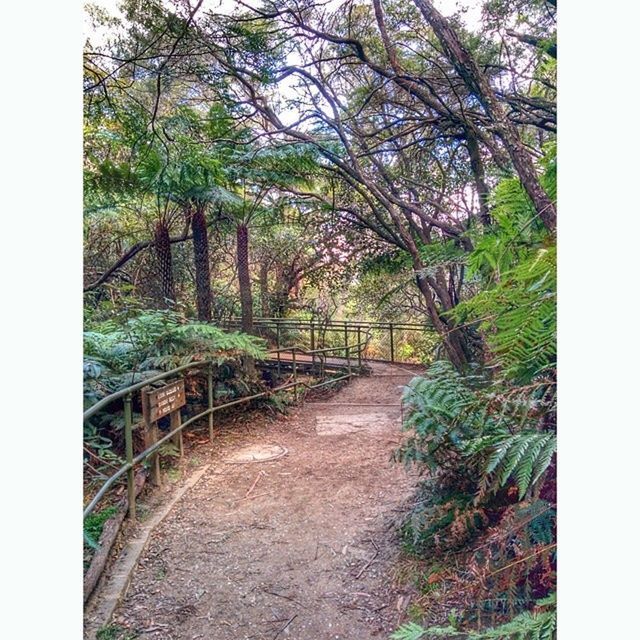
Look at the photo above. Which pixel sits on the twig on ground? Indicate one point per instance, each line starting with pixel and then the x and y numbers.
pixel 366 566
pixel 281 595
pixel 285 626
pixel 255 482
pixel 260 495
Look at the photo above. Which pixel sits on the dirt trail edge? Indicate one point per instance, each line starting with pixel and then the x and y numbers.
pixel 299 547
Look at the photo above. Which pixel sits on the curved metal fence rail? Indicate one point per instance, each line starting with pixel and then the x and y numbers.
pixel 318 362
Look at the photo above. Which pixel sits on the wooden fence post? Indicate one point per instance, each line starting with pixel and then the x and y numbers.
pixel 295 375
pixel 346 338
pixel 210 399
pixel 313 346
pixel 176 421
pixel 128 436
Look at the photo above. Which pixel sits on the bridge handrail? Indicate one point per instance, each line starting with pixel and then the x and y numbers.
pixel 339 324
pixel 360 346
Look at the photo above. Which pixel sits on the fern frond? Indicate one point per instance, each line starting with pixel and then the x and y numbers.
pixel 523 457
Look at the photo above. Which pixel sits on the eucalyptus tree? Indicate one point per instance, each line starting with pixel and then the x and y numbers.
pixel 371 177
pixel 412 138
pixel 300 251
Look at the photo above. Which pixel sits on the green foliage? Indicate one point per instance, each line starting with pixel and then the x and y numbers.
pixel 441 254
pixel 94 523
pixel 474 440
pixel 443 410
pixel 115 632
pixel 389 262
pixel 408 631
pixel 488 438
pixel 538 625
pixel 522 458
pixel 100 445
pixel 518 316
pixel 168 449
pixel 153 340
pixel 517 230
pixel 443 518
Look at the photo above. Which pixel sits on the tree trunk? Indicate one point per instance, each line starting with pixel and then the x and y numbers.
pixel 453 339
pixel 479 177
pixel 162 244
pixel 244 280
pixel 479 86
pixel 201 259
pixel 264 289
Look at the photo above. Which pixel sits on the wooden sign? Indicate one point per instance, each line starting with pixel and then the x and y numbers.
pixel 161 402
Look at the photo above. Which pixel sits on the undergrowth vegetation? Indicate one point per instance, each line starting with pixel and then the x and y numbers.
pixel 132 347
pixel 128 348
pixel 485 441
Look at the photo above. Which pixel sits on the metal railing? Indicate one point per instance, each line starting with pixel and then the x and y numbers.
pixel 395 342
pixel 318 358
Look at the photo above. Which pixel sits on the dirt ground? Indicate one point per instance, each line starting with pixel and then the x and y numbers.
pixel 299 547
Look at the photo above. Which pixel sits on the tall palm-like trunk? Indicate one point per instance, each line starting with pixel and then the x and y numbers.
pixel 162 245
pixel 201 259
pixel 244 280
pixel 264 289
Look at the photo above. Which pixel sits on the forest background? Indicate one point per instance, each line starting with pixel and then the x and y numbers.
pixel 42 265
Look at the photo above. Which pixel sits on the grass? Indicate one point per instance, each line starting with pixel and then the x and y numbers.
pixel 115 632
pixel 94 524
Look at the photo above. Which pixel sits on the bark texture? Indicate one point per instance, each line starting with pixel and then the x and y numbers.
pixel 264 289
pixel 244 278
pixel 162 244
pixel 201 259
pixel 477 168
pixel 479 86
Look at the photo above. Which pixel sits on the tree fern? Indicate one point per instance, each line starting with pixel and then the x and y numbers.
pixel 442 410
pixel 522 457
pixel 164 339
pixel 518 316
pixel 413 631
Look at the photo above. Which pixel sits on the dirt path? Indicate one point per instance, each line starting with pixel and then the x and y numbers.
pixel 300 547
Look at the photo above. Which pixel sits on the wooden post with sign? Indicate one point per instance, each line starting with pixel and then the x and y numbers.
pixel 150 438
pixel 157 403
